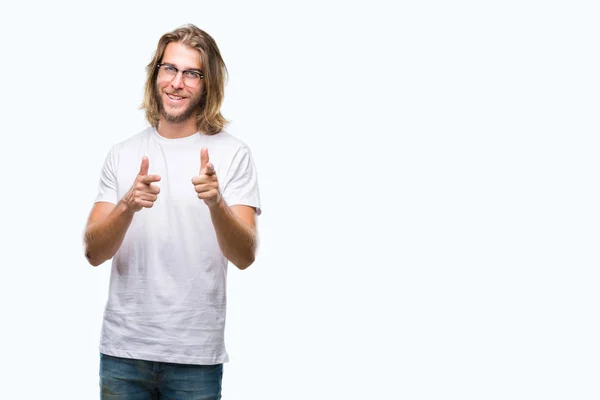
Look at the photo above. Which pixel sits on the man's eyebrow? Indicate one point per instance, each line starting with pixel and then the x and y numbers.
pixel 185 69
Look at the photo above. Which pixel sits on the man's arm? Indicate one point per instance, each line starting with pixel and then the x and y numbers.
pixel 108 223
pixel 105 231
pixel 236 232
pixel 236 225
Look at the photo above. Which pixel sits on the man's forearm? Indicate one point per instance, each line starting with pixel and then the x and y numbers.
pixel 103 238
pixel 236 239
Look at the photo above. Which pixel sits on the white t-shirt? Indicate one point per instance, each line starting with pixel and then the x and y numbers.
pixel 167 293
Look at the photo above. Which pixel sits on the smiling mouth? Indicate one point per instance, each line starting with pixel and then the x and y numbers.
pixel 174 97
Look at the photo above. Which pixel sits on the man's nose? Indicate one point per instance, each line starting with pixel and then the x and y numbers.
pixel 177 82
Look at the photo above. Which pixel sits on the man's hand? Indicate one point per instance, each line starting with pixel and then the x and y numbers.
pixel 142 193
pixel 206 183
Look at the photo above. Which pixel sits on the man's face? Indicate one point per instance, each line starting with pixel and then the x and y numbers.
pixel 178 96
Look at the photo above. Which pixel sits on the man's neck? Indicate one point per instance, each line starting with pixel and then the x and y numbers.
pixel 176 131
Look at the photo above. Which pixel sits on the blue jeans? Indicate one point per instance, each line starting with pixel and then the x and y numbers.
pixel 129 379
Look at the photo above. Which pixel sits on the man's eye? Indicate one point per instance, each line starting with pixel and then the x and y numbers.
pixel 168 68
pixel 192 74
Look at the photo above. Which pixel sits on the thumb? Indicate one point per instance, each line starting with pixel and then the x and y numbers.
pixel 203 159
pixel 144 166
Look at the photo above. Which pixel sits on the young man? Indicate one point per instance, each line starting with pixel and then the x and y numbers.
pixel 176 202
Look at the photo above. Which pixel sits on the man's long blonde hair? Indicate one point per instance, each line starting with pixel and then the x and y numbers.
pixel 209 119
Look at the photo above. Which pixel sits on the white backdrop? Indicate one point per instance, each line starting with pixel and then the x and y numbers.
pixel 428 175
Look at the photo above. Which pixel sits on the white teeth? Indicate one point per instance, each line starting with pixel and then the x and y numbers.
pixel 174 97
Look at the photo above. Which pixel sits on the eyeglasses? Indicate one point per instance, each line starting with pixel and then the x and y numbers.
pixel 191 77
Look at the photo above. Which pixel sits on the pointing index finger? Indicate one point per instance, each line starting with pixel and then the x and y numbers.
pixel 148 179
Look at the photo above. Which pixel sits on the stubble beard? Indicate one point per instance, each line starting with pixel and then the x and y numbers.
pixel 194 106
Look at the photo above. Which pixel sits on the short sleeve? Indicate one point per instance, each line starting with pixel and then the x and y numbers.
pixel 241 183
pixel 107 186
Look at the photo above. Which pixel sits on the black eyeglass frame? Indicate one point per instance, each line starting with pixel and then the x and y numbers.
pixel 183 72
